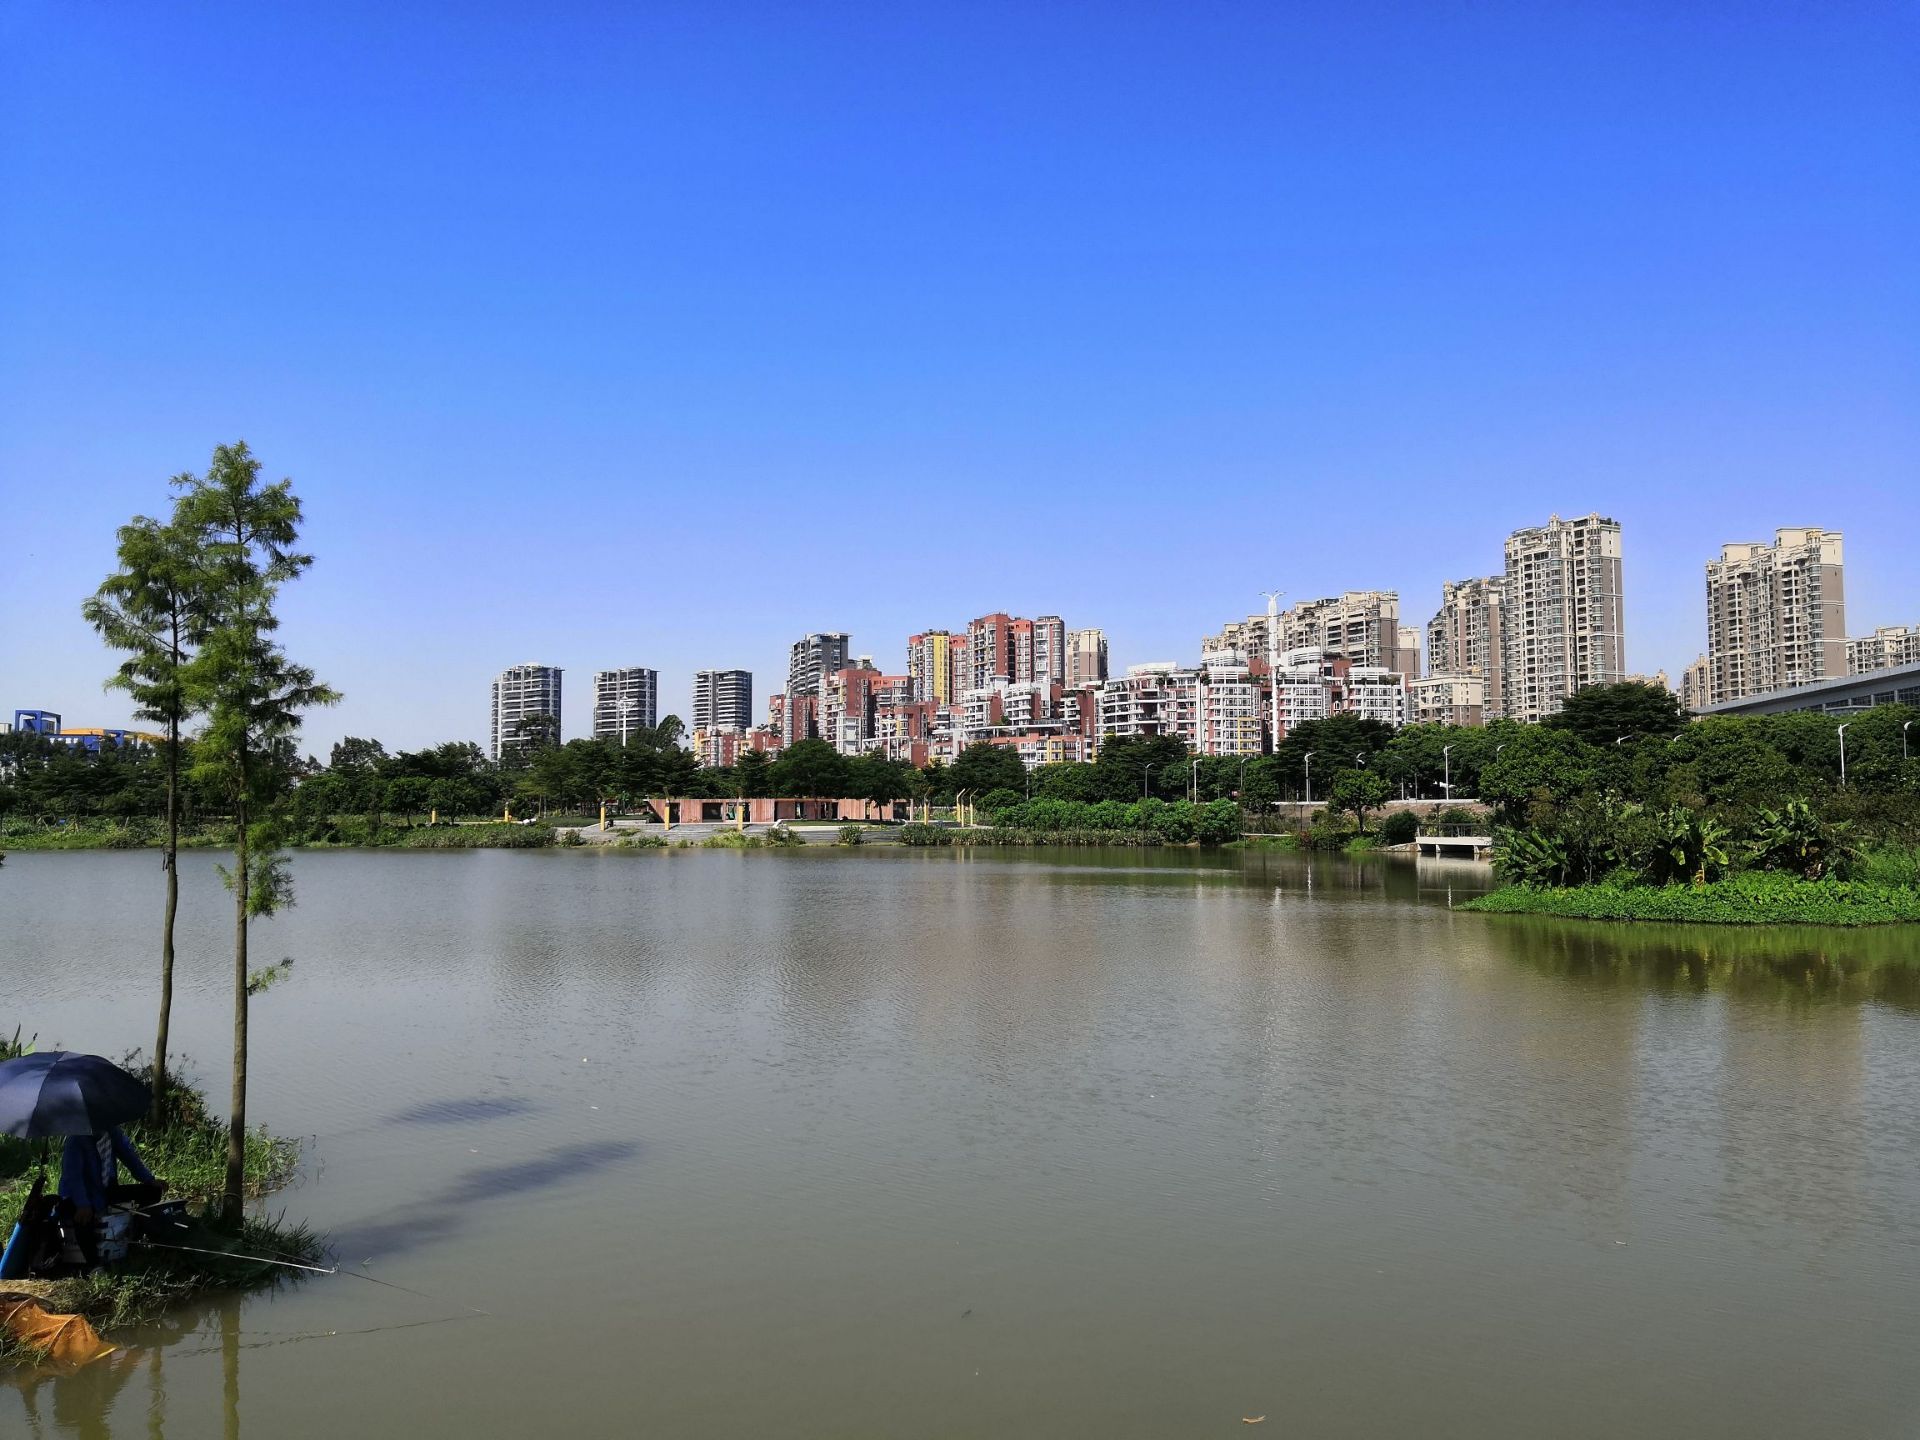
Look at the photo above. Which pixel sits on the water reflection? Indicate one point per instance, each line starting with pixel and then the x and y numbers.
pixel 1777 963
pixel 1171 1127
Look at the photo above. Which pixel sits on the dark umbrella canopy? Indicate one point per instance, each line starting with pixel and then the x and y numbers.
pixel 60 1093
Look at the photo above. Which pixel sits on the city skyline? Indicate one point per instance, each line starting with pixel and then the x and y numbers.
pixel 1371 614
pixel 881 336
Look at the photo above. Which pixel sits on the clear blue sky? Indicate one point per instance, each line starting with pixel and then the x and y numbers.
pixel 661 334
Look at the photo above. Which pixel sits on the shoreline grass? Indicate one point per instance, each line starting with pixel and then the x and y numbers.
pixel 1750 898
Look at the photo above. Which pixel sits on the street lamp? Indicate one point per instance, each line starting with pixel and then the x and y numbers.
pixel 1842 733
pixel 1905 726
pixel 1309 764
pixel 1145 770
pixel 1446 770
pixel 1196 779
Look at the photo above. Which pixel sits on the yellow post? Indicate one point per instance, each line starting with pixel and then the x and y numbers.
pixel 603 815
pixel 740 817
pixel 433 816
pixel 667 814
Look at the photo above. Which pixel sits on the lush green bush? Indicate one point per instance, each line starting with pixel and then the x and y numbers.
pixel 1402 827
pixel 853 834
pixel 476 837
pixel 915 833
pixel 1752 898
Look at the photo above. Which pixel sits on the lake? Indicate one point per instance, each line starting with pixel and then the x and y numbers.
pixel 1013 1143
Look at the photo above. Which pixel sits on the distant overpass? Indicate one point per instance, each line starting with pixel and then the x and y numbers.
pixel 1897 685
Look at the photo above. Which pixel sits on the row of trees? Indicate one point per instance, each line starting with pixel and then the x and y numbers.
pixel 1628 739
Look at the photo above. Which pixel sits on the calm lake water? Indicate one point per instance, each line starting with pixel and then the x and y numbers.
pixel 1011 1144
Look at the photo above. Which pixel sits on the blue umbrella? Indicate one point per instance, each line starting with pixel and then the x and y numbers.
pixel 60 1093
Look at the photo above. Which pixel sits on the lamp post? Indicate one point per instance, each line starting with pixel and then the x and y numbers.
pixel 1842 733
pixel 1446 771
pixel 1309 764
pixel 1196 779
pixel 1145 770
pixel 1905 726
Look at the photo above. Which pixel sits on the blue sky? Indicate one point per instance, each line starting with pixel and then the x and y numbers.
pixel 661 334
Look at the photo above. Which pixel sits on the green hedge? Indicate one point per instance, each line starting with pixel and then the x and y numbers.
pixel 1752 898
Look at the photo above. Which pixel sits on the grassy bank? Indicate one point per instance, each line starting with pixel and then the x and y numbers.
pixel 1752 898
pixel 187 1149
pixel 342 832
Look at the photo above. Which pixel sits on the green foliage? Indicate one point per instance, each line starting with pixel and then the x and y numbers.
pixel 1688 846
pixel 1356 792
pixel 982 769
pixel 1751 898
pixel 1217 823
pixel 995 802
pixel 1798 841
pixel 782 836
pixel 1602 714
pixel 810 768
pixel 1530 857
pixel 1399 828
pixel 915 833
pixel 853 834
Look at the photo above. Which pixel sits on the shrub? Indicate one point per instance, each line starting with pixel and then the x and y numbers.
pixel 1399 828
pixel 1753 898
pixel 915 833
pixel 853 834
pixel 783 836
pixel 1796 840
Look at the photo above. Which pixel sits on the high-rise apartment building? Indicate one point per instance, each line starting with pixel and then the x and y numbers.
pixel 1464 638
pixel 991 650
pixel 811 660
pixel 1694 685
pixel 1562 625
pixel 625 702
pixel 1888 646
pixel 1776 614
pixel 930 665
pixel 723 700
pixel 523 693
pixel 1086 658
pixel 1050 650
pixel 1361 627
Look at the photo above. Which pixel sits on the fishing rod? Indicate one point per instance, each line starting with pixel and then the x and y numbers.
pixel 311 1270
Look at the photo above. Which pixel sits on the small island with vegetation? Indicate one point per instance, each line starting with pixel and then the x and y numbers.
pixel 1725 820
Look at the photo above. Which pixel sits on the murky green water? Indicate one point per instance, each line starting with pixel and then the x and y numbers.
pixel 987 1145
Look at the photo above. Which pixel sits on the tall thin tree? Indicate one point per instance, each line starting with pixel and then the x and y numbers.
pixel 151 608
pixel 252 695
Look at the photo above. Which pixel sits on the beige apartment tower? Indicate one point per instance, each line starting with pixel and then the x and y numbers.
pixel 1562 621
pixel 1776 614
pixel 1465 637
pixel 1086 658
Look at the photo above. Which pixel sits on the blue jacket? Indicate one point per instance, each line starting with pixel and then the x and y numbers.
pixel 89 1164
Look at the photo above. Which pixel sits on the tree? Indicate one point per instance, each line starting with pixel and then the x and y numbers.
pixel 1358 791
pixel 151 607
pixel 1602 714
pixel 1537 764
pixel 356 755
pixel 982 767
pixel 750 774
pixel 810 767
pixel 252 695
pixel 1136 765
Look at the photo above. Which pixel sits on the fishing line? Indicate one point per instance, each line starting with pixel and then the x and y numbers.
pixel 313 1270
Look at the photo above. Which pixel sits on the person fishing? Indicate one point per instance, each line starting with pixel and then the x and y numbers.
pixel 89 1181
